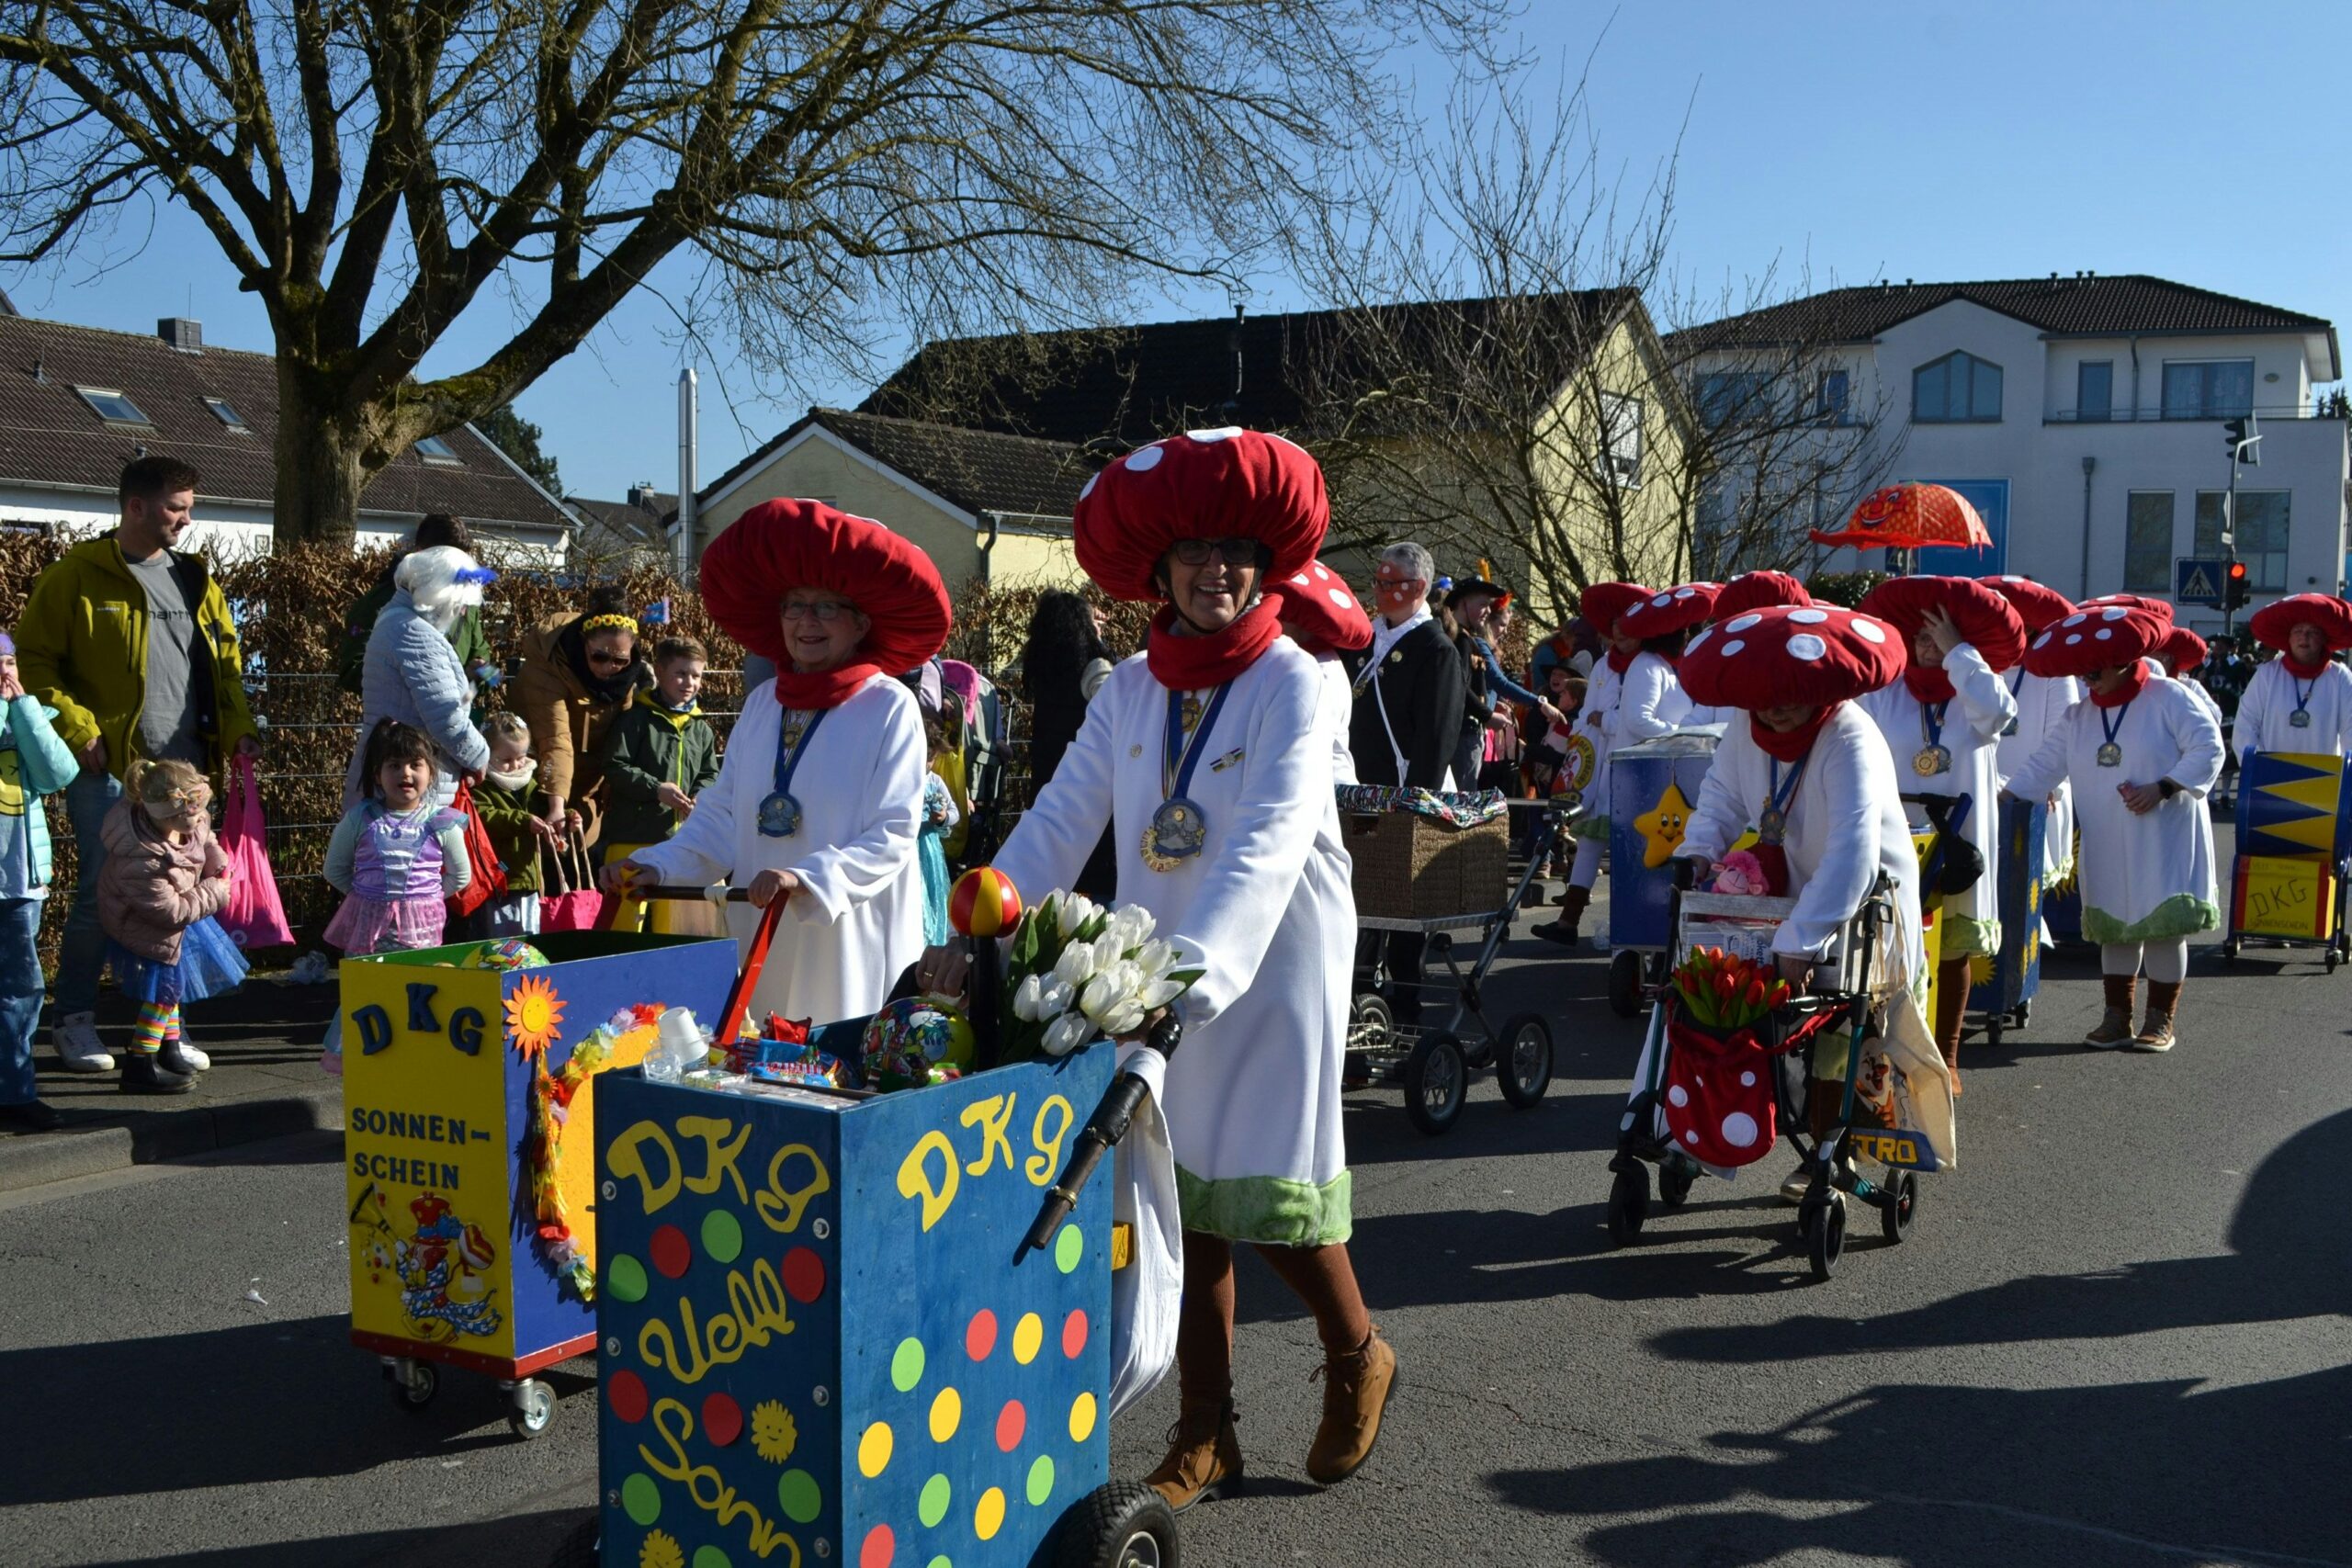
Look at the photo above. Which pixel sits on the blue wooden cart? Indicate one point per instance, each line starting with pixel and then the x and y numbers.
pixel 2003 987
pixel 2293 849
pixel 1653 789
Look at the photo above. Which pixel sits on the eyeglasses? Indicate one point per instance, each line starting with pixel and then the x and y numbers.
pixel 820 610
pixel 1396 584
pixel 1233 552
pixel 606 656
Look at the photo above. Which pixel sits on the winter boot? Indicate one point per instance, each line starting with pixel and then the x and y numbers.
pixel 1204 1459
pixel 1356 1385
pixel 1952 1015
pixel 143 1073
pixel 2155 1030
pixel 1563 930
pixel 2115 1029
pixel 177 1055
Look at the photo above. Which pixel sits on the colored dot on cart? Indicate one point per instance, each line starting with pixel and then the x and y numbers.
pixel 1041 1480
pixel 640 1499
pixel 873 1450
pixel 625 1390
pixel 879 1548
pixel 947 1414
pixel 939 1561
pixel 1074 1333
pixel 671 1252
pixel 797 1494
pixel 711 1557
pixel 722 1235
pixel 906 1365
pixel 804 1275
pixel 1027 1334
pixel 1011 1422
pixel 979 1338
pixel 1068 1247
pixel 932 1506
pixel 625 1279
pixel 989 1517
pixel 722 1419
pixel 1081 1418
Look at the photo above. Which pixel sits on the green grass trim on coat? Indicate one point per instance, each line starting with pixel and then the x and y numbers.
pixel 1964 936
pixel 2178 916
pixel 1270 1210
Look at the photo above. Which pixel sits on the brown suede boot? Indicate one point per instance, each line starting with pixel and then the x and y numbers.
pixel 2155 1030
pixel 2115 1029
pixel 1356 1387
pixel 1563 930
pixel 1952 1015
pixel 1203 1461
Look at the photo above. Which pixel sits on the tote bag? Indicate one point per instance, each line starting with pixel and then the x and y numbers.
pixel 253 916
pixel 574 904
pixel 487 880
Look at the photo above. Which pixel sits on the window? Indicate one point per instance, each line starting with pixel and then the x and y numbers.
pixel 2262 534
pixel 1620 417
pixel 433 449
pixel 112 406
pixel 226 413
pixel 2209 389
pixel 1731 397
pixel 1959 389
pixel 2095 391
pixel 2147 542
pixel 1831 404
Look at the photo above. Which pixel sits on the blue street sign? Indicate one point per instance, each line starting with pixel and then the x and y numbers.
pixel 2197 579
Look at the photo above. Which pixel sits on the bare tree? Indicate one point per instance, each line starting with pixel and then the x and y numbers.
pixel 843 170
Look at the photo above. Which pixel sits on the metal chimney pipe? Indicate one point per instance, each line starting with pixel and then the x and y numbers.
pixel 689 438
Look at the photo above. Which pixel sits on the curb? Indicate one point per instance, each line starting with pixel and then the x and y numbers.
pixel 36 1159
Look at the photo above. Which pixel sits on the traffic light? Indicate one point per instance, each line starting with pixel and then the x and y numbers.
pixel 2244 440
pixel 2233 593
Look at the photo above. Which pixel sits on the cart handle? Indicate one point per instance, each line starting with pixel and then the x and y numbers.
pixel 1103 1133
pixel 739 999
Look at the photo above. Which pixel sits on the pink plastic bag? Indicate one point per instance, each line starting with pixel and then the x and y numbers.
pixel 253 916
pixel 574 904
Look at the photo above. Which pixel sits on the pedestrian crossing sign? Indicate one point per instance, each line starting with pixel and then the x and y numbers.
pixel 2197 579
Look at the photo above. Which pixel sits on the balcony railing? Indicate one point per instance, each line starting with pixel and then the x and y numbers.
pixel 2314 410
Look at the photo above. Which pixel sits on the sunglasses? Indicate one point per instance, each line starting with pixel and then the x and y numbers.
pixel 1232 552
pixel 605 656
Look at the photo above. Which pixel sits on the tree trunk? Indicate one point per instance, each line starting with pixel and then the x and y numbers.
pixel 320 466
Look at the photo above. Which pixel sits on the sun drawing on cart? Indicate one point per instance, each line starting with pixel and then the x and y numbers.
pixel 534 1014
pixel 661 1550
pixel 773 1432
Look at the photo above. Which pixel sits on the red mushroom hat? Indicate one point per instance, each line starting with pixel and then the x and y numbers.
pixel 2095 638
pixel 1759 590
pixel 1813 654
pixel 1986 621
pixel 2272 623
pixel 1670 610
pixel 1603 602
pixel 2036 605
pixel 2161 609
pixel 2183 647
pixel 1320 612
pixel 1204 484
pixel 779 546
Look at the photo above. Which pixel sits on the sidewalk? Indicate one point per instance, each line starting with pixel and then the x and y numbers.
pixel 265 1083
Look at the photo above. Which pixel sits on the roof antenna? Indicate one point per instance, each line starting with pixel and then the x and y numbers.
pixel 1231 408
pixel 40 371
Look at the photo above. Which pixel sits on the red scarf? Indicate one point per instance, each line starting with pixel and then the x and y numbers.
pixel 1621 662
pixel 1789 746
pixel 2127 691
pixel 2302 672
pixel 1928 682
pixel 822 688
pixel 1190 663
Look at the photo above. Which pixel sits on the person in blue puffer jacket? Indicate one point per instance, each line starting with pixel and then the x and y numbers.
pixel 410 673
pixel 33 763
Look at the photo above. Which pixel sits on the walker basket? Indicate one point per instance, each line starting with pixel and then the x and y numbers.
pixel 1410 868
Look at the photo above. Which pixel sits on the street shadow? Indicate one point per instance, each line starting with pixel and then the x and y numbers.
pixel 1379 1132
pixel 523 1540
pixel 266 1402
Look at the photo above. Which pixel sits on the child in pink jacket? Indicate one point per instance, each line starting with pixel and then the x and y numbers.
pixel 164 880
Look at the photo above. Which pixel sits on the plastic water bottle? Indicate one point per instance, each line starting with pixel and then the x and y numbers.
pixel 679 1043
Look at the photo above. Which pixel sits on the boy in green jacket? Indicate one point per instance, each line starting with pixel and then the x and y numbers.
pixel 659 753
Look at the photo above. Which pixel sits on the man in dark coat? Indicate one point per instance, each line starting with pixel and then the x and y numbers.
pixel 1409 693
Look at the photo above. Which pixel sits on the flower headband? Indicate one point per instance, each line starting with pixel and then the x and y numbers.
pixel 613 623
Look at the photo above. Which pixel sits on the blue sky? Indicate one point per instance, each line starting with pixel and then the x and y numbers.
pixel 1846 140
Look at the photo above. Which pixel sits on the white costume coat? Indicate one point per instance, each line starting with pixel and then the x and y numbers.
pixel 2266 713
pixel 1980 709
pixel 2042 702
pixel 1645 701
pixel 856 922
pixel 1253 1094
pixel 2143 878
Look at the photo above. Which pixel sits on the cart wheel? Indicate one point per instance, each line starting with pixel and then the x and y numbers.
pixel 1828 1237
pixel 1629 1203
pixel 2230 951
pixel 1625 985
pixel 1123 1525
pixel 1994 1026
pixel 2023 1015
pixel 1371 1024
pixel 414 1384
pixel 1524 1059
pixel 2344 944
pixel 1437 1080
pixel 1676 1177
pixel 533 1411
pixel 2332 960
pixel 1901 1208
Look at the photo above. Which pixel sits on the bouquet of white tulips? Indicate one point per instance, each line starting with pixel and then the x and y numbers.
pixel 1079 969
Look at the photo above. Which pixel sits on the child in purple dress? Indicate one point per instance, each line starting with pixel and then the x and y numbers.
pixel 395 857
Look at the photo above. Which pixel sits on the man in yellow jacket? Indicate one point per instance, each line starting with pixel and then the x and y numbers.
pixel 132 643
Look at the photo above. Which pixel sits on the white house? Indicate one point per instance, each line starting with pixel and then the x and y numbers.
pixel 2082 416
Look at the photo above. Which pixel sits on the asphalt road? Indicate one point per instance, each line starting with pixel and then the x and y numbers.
pixel 2117 1336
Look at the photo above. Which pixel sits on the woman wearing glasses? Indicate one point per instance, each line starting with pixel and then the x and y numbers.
pixel 1210 759
pixel 578 672
pixel 819 794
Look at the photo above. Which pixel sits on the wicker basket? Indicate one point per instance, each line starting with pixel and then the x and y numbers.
pixel 1410 868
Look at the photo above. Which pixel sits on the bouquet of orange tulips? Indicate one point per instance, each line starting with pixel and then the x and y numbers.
pixel 1719 990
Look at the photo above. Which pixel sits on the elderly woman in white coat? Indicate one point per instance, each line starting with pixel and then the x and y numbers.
pixel 2143 753
pixel 2301 701
pixel 817 799
pixel 410 673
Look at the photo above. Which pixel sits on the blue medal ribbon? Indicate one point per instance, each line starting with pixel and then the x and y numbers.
pixel 780 813
pixel 2301 718
pixel 1772 826
pixel 1179 829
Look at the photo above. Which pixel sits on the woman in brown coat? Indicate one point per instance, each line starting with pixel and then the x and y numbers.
pixel 578 672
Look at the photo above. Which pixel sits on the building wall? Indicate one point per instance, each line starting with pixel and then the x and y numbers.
pixel 1044 559
pixel 234 529
pixel 816 469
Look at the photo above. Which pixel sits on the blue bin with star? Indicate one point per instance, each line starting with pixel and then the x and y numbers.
pixel 1652 790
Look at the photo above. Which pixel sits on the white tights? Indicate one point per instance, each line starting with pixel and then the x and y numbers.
pixel 2168 961
pixel 1586 870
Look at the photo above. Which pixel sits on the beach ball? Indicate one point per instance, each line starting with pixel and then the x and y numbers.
pixel 909 1038
pixel 984 903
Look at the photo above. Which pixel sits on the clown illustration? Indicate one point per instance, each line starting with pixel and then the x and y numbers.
pixel 441 1266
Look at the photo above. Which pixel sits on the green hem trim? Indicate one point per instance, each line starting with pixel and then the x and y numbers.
pixel 1272 1210
pixel 1966 937
pixel 2178 916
